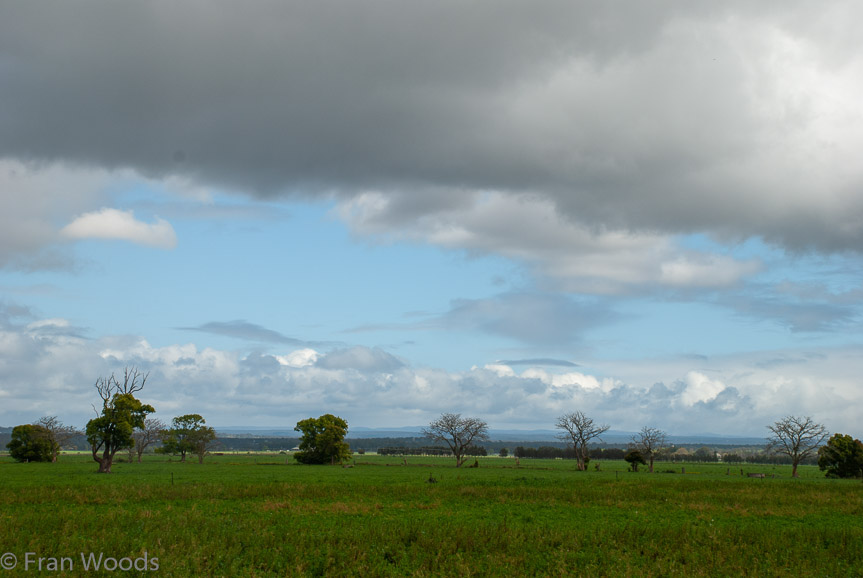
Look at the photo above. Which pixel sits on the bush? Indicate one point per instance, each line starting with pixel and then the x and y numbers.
pixel 30 443
pixel 634 458
pixel 842 457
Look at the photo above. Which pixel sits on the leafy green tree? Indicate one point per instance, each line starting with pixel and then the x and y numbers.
pixel 30 443
pixel 634 458
pixel 322 440
pixel 705 454
pixel 842 457
pixel 202 439
pixel 732 458
pixel 121 414
pixel 187 434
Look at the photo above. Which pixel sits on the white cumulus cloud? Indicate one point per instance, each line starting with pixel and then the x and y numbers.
pixel 110 223
pixel 734 394
pixel 700 388
pixel 298 358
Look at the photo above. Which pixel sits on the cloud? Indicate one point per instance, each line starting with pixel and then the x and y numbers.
pixel 47 368
pixel 544 319
pixel 34 197
pixel 46 205
pixel 538 362
pixel 298 358
pixel 737 120
pixel 799 307
pixel 527 317
pixel 360 358
pixel 698 388
pixel 121 225
pixel 579 257
pixel 240 329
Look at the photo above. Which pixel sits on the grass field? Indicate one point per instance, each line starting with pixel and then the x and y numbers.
pixel 252 515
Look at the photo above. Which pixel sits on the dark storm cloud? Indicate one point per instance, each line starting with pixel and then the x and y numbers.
pixel 671 117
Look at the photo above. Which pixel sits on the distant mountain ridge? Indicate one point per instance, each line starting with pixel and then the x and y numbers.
pixel 611 437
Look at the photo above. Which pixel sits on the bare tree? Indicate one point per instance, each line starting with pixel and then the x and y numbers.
pixel 146 435
pixel 797 438
pixel 203 440
pixel 457 432
pixel 648 442
pixel 579 429
pixel 56 433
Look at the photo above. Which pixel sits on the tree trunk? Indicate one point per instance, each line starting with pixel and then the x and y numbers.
pixel 794 470
pixel 104 461
pixel 650 469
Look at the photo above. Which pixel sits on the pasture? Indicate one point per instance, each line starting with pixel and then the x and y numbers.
pixel 253 515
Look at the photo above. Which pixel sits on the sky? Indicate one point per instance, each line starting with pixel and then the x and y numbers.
pixel 651 212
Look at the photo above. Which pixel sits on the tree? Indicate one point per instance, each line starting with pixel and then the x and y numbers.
pixel 202 440
pixel 705 454
pixel 185 436
pixel 579 429
pixel 322 440
pixel 121 413
pixel 147 435
pixel 797 438
pixel 842 457
pixel 634 458
pixel 649 441
pixel 732 458
pixel 57 433
pixel 457 432
pixel 30 443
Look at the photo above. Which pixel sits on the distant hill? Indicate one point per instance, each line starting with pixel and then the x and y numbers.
pixel 611 438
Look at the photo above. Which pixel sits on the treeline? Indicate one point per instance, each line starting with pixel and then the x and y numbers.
pixel 599 453
pixel 429 451
pixel 567 453
pixel 749 458
pixel 254 444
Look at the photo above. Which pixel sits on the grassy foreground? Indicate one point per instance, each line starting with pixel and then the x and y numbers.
pixel 252 515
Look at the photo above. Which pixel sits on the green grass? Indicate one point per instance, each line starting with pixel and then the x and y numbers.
pixel 252 515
